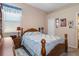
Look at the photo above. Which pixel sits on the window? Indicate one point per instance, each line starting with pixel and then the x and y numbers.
pixel 11 18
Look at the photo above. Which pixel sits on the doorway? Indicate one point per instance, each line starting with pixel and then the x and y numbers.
pixel 77 28
pixel 51 26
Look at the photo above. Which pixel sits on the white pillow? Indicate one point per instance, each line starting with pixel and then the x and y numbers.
pixel 28 33
pixel 36 33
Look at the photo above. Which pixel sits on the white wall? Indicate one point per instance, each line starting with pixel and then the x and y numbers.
pixel 32 17
pixel 70 14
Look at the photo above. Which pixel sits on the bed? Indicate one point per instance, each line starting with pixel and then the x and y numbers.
pixel 39 44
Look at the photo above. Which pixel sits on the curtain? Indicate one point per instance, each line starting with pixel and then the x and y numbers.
pixel 11 18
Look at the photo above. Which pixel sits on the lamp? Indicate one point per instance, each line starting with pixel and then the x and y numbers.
pixel 18 29
pixel 39 29
pixel 42 29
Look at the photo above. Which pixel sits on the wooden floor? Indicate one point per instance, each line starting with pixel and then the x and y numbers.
pixel 7 47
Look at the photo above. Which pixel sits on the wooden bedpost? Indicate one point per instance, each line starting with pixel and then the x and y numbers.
pixel 21 31
pixel 66 43
pixel 43 49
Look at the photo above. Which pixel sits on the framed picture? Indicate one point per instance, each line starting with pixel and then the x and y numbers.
pixel 71 23
pixel 57 22
pixel 63 22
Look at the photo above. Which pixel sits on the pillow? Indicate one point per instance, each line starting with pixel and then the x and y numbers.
pixel 36 33
pixel 43 36
pixel 28 33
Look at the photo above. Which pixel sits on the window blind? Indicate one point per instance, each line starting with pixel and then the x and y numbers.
pixel 11 18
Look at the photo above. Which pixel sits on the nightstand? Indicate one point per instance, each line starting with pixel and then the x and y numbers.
pixel 17 41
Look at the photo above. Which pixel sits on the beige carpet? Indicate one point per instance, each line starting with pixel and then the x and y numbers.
pixel 21 52
pixel 71 52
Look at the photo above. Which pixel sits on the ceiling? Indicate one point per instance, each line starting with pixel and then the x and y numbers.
pixel 48 7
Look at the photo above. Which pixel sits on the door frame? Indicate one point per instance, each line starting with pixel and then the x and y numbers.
pixel 77 29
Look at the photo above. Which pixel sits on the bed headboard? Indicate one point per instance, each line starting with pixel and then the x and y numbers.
pixel 29 30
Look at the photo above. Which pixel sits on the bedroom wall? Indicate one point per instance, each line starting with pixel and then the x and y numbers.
pixel 70 14
pixel 32 17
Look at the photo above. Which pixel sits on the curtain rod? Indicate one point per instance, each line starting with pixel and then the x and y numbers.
pixel 11 6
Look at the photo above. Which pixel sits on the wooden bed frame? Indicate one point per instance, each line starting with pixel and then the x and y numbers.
pixel 58 50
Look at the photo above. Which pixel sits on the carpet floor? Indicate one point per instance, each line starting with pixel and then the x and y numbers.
pixel 21 52
pixel 71 52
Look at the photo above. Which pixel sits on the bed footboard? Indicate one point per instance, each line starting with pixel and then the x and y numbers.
pixel 58 50
pixel 66 43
